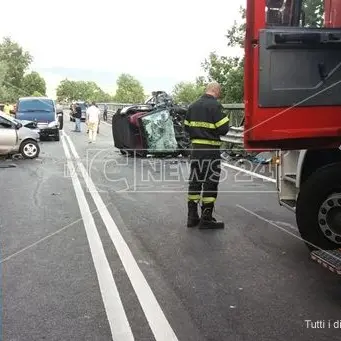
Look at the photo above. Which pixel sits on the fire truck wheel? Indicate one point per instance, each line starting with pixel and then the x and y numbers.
pixel 318 209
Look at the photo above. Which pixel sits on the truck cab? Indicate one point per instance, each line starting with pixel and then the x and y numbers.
pixel 293 105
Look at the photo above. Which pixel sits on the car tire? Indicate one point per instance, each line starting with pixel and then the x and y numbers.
pixel 29 149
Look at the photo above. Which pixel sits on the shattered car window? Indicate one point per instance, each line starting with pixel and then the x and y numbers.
pixel 160 134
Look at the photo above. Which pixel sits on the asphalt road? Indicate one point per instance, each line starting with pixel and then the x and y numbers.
pixel 94 247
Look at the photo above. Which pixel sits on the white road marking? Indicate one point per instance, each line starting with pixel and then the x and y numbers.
pixel 43 239
pixel 224 163
pixel 119 325
pixel 269 222
pixel 286 225
pixel 158 322
pixel 286 231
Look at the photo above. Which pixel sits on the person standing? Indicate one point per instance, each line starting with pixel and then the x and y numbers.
pixel 92 119
pixel 105 112
pixel 78 116
pixel 205 123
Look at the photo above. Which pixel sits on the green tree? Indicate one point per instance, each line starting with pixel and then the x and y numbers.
pixel 314 10
pixel 187 92
pixel 229 71
pixel 129 90
pixel 37 94
pixel 32 83
pixel 17 62
pixel 68 90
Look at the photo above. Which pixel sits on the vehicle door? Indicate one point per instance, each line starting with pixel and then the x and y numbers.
pixel 8 136
pixel 292 79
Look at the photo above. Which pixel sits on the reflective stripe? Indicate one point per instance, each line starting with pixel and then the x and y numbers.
pixel 186 123
pixel 194 197
pixel 221 122
pixel 208 200
pixel 209 142
pixel 199 124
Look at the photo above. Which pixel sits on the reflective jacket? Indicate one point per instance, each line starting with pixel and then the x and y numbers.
pixel 205 121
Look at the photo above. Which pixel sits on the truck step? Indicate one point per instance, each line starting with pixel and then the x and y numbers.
pixel 330 259
pixel 289 203
pixel 290 178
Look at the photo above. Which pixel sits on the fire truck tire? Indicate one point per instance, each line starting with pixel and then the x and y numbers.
pixel 313 193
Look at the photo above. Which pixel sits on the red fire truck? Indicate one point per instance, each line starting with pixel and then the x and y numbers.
pixel 293 104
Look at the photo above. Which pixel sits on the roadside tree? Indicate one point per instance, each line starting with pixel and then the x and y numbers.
pixel 32 83
pixel 129 90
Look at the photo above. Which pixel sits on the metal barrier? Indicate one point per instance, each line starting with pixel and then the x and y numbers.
pixel 235 111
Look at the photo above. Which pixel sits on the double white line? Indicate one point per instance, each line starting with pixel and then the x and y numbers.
pixel 118 321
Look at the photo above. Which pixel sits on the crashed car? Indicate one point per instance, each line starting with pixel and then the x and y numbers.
pixel 155 127
pixel 17 139
pixel 28 124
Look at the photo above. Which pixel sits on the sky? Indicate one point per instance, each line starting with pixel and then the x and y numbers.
pixel 160 46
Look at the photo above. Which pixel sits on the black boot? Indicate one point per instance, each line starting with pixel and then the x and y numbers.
pixel 207 221
pixel 193 217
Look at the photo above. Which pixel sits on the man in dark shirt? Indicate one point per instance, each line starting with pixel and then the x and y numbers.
pixel 78 116
pixel 205 123
pixel 105 112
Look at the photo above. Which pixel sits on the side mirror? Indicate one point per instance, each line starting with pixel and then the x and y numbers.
pixel 18 125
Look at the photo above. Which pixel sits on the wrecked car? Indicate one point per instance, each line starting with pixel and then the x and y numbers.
pixel 28 124
pixel 17 139
pixel 155 127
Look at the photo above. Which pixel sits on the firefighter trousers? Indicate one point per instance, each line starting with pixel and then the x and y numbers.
pixel 204 176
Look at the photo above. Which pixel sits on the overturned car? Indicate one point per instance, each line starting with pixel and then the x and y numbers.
pixel 155 127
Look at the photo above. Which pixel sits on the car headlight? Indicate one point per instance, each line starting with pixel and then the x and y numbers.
pixel 53 124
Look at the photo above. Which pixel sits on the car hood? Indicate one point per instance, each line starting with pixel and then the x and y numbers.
pixel 28 124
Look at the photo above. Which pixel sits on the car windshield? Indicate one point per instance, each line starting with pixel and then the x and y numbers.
pixel 159 129
pixel 82 105
pixel 36 105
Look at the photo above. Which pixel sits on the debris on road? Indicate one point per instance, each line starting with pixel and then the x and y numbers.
pixel 11 165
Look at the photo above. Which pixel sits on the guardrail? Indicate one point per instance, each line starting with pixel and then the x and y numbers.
pixel 235 111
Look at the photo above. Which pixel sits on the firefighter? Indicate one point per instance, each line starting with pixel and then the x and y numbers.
pixel 205 122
